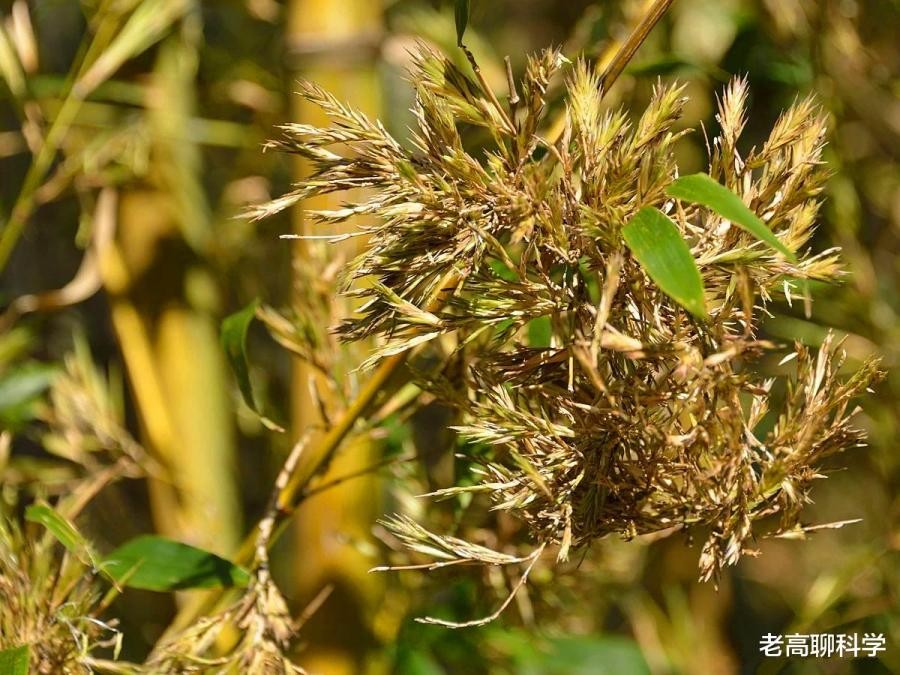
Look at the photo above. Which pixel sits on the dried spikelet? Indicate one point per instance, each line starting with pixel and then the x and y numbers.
pixel 725 160
pixel 86 423
pixel 260 616
pixel 635 417
pixel 265 631
pixel 50 603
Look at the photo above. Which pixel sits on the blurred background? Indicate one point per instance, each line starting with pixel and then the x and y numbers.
pixel 151 114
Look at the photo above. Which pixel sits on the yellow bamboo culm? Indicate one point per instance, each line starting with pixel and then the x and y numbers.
pixel 178 379
pixel 333 42
pixel 163 305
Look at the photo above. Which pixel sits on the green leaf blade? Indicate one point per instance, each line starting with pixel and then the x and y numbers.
pixel 63 530
pixel 20 389
pixel 14 661
pixel 700 189
pixel 462 10
pixel 658 246
pixel 233 337
pixel 157 564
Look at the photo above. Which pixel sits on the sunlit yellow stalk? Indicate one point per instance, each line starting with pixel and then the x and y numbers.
pixel 331 41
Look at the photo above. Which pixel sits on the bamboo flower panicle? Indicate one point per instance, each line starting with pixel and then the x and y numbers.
pixel 633 416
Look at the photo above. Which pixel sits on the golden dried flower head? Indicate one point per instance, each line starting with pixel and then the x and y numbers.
pixel 607 406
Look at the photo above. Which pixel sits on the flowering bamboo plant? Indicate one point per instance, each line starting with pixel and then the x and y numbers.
pixel 603 311
pixel 591 317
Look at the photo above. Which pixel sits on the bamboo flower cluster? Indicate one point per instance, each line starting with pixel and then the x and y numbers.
pixel 626 414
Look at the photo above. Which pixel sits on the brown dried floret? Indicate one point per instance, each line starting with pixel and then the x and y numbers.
pixel 636 417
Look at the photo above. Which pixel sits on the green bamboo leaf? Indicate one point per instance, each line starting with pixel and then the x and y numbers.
pixel 233 337
pixel 701 189
pixel 156 564
pixel 462 19
pixel 660 249
pixel 20 388
pixel 63 530
pixel 14 661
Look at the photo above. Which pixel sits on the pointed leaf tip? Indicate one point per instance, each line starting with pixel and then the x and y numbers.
pixel 462 19
pixel 157 564
pixel 700 189
pixel 233 337
pixel 63 530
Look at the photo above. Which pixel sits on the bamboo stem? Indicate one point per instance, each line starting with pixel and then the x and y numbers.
pixel 25 202
pixel 628 49
pixel 614 66
pixel 294 492
pixel 330 43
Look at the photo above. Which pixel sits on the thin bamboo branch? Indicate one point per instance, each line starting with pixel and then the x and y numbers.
pixel 621 57
pixel 629 48
pixel 294 492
